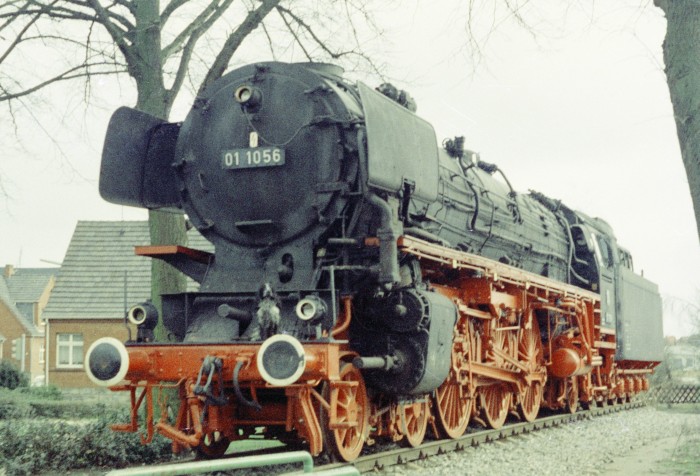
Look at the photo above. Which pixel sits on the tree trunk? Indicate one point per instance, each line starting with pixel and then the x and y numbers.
pixel 165 228
pixel 682 58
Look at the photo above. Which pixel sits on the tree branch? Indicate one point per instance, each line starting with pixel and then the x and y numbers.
pixel 170 9
pixel 65 76
pixel 251 22
pixel 183 65
pixel 62 13
pixel 298 41
pixel 11 17
pixel 270 43
pixel 18 38
pixel 199 25
pixel 320 42
pixel 125 23
pixel 56 11
pixel 118 35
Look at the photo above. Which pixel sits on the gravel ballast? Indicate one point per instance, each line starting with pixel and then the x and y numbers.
pixel 584 447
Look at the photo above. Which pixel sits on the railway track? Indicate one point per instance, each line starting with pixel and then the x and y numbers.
pixel 379 460
pixel 399 456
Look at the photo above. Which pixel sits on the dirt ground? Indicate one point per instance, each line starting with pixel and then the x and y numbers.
pixel 651 459
pixel 678 455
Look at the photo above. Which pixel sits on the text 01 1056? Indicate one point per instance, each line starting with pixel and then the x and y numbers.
pixel 252 157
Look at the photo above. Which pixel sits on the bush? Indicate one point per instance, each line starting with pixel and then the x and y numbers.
pixel 11 377
pixel 45 402
pixel 11 409
pixel 34 446
pixel 49 392
pixel 65 409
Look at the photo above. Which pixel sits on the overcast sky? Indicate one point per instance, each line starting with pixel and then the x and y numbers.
pixel 580 112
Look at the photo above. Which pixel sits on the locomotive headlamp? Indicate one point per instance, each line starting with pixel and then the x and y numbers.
pixel 311 309
pixel 144 314
pixel 281 360
pixel 107 362
pixel 248 97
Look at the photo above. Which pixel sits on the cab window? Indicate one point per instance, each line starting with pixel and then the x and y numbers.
pixel 625 259
pixel 606 252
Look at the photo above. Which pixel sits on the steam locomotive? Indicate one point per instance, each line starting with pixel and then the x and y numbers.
pixel 365 281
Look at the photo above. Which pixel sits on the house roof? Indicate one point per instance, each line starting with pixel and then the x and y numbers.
pixel 28 284
pixel 100 268
pixel 7 299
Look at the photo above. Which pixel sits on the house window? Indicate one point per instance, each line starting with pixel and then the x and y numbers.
pixel 42 353
pixel 69 350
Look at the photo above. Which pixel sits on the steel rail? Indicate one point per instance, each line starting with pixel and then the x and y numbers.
pixel 382 459
pixel 399 456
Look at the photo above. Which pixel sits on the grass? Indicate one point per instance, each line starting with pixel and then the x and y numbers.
pixel 253 444
pixel 685 459
pixel 679 407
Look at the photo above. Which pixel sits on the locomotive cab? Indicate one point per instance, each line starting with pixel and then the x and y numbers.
pixel 630 304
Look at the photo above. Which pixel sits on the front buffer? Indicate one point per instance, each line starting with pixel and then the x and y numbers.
pixel 227 391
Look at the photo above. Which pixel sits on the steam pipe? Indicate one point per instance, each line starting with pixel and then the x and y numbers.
pixel 388 249
pixel 237 389
pixel 244 317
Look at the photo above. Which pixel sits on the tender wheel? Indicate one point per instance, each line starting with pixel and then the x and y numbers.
pixel 495 401
pixel 453 407
pixel 572 395
pixel 212 446
pixel 345 442
pixel 414 422
pixel 530 353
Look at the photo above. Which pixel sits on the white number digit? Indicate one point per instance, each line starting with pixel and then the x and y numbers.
pixel 252 157
pixel 231 159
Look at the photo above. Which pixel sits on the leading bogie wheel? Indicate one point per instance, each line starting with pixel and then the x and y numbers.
pixel 345 440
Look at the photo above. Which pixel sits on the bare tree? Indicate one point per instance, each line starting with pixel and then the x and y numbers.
pixel 687 310
pixel 160 46
pixel 682 60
